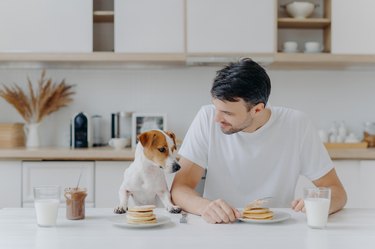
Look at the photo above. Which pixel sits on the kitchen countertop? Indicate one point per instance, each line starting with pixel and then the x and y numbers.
pixel 349 228
pixel 127 154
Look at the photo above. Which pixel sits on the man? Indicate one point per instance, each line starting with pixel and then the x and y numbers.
pixel 250 150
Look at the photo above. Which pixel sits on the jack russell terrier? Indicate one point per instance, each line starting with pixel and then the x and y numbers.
pixel 144 179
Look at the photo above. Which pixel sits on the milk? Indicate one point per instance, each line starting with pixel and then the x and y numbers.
pixel 46 212
pixel 317 210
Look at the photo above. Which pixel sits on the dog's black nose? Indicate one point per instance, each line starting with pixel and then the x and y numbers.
pixel 175 167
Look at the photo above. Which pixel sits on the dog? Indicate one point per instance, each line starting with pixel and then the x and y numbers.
pixel 144 180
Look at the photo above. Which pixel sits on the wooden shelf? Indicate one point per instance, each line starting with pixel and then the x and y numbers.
pixel 93 57
pixel 308 23
pixel 103 16
pixel 321 61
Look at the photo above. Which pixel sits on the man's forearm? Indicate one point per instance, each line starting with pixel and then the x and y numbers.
pixel 188 199
pixel 338 199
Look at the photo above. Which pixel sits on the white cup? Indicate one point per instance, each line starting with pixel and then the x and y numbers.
pixel 323 136
pixel 317 202
pixel 46 202
pixel 313 47
pixel 119 143
pixel 290 46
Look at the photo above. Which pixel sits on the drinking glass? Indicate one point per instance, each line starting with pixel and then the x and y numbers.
pixel 317 202
pixel 46 201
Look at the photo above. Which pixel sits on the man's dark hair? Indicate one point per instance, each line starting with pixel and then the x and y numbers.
pixel 244 79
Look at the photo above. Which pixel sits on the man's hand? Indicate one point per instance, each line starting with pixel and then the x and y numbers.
pixel 298 205
pixel 218 211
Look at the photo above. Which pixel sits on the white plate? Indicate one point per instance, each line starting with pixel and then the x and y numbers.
pixel 278 216
pixel 120 220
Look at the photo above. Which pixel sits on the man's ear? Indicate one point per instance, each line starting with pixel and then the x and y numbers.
pixel 258 108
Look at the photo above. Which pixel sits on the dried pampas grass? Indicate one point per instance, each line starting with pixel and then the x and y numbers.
pixel 49 98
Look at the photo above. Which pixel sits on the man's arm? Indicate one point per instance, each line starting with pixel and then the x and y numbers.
pixel 184 195
pixel 338 194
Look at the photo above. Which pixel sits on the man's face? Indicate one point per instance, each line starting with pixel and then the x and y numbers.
pixel 232 116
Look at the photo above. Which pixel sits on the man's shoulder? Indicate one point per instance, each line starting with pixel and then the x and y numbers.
pixel 287 112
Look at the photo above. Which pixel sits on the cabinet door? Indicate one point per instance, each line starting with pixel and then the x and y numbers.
pixel 148 26
pixel 349 173
pixel 233 26
pixel 367 184
pixel 46 26
pixel 10 184
pixel 352 27
pixel 62 173
pixel 108 179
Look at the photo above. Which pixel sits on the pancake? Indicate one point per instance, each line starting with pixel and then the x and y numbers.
pixel 144 208
pixel 141 215
pixel 258 213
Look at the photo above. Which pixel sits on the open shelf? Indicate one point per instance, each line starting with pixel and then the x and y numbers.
pixel 308 23
pixel 103 16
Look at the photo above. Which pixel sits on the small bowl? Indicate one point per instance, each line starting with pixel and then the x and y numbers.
pixel 300 10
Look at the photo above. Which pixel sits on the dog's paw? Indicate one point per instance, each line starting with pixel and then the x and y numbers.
pixel 174 209
pixel 119 210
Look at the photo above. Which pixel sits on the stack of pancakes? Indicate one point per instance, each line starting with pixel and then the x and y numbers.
pixel 141 215
pixel 257 213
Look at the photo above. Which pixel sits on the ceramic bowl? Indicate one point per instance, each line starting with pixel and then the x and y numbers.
pixel 300 10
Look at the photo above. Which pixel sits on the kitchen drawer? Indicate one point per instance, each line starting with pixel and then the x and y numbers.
pixel 62 173
pixel 46 26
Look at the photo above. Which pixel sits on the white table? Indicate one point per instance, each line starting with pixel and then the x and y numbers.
pixel 350 228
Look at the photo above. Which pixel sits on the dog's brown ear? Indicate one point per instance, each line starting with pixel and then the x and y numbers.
pixel 144 138
pixel 172 135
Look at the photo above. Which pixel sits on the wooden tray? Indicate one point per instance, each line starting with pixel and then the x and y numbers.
pixel 361 145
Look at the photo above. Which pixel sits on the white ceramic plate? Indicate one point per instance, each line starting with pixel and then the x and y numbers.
pixel 278 216
pixel 120 220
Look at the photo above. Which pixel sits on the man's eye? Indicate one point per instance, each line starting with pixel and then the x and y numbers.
pixel 162 149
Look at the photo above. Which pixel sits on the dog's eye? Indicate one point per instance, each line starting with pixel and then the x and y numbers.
pixel 162 149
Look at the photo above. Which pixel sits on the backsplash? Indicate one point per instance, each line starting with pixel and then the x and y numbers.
pixel 326 96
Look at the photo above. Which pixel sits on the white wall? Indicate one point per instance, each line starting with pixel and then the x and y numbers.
pixel 180 91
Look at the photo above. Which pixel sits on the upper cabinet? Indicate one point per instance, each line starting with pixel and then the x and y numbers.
pixel 352 27
pixel 230 26
pixel 46 26
pixel 186 32
pixel 144 26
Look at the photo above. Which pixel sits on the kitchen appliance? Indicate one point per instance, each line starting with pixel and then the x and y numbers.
pixel 121 126
pixel 97 139
pixel 80 131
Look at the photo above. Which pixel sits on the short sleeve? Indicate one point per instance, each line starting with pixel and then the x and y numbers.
pixel 196 141
pixel 315 159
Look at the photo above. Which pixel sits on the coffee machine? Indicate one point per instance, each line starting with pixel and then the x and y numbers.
pixel 80 131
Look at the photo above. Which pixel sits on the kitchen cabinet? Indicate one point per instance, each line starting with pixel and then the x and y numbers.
pixel 319 21
pixel 46 26
pixel 63 173
pixel 352 24
pixel 230 26
pixel 108 178
pixel 357 176
pixel 10 183
pixel 146 26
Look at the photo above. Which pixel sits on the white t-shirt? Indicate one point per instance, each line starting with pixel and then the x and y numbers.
pixel 245 166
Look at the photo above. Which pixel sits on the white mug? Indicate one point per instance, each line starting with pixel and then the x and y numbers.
pixel 119 143
pixel 290 46
pixel 313 47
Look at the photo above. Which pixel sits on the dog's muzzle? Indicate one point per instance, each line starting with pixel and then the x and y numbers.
pixel 175 167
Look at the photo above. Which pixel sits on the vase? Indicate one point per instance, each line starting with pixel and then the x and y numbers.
pixel 32 135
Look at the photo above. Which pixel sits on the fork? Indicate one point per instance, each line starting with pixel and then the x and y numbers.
pixel 258 202
pixel 183 218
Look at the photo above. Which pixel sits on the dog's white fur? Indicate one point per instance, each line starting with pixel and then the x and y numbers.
pixel 144 179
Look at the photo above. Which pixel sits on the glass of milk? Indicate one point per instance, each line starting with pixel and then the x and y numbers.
pixel 46 201
pixel 317 202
